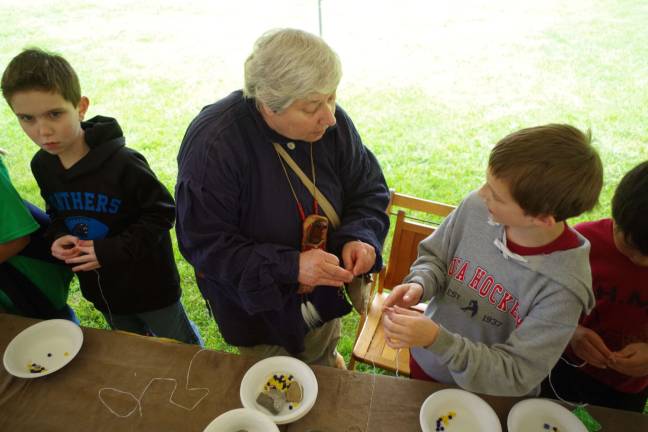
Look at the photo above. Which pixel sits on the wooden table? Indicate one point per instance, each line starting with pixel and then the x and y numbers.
pixel 67 400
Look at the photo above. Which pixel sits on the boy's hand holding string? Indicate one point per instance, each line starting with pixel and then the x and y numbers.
pixel 72 250
pixel 405 328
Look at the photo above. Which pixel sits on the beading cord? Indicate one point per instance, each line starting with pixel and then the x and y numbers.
pixel 138 400
pixel 112 321
pixel 292 189
pixel 574 404
pixel 373 381
pixel 397 359
pixel 373 377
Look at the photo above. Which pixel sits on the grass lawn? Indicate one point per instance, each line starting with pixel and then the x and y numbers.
pixel 431 87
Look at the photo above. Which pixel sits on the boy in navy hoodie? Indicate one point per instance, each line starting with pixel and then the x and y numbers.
pixel 110 215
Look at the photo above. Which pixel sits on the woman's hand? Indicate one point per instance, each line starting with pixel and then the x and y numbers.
pixel 358 257
pixel 406 328
pixel 589 346
pixel 404 295
pixel 317 267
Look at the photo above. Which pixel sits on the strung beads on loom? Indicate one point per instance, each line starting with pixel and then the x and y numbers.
pixel 442 422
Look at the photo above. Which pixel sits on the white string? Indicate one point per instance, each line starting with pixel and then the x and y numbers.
pixel 574 404
pixel 572 364
pixel 211 311
pixel 373 375
pixel 112 322
pixel 373 388
pixel 397 358
pixel 138 400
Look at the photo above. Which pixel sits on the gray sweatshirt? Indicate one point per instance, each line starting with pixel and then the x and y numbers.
pixel 504 319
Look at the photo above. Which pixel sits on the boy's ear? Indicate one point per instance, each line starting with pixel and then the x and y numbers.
pixel 82 108
pixel 545 221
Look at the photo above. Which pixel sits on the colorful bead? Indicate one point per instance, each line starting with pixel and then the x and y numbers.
pixel 442 422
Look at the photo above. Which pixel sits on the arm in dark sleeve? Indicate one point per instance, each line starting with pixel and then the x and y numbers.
pixel 56 228
pixel 155 217
pixel 366 195
pixel 209 191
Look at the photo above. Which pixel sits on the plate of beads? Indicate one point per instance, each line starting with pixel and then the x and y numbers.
pixel 542 415
pixel 43 348
pixel 455 410
pixel 242 420
pixel 284 388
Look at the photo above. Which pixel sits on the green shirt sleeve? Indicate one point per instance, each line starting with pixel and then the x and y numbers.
pixel 15 219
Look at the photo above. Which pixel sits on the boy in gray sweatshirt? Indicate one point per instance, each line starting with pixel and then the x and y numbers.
pixel 506 278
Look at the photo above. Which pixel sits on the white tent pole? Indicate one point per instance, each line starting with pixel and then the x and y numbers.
pixel 319 15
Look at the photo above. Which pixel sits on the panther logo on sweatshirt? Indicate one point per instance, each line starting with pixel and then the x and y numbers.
pixel 86 228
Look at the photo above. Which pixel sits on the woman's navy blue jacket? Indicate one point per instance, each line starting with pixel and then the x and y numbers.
pixel 238 224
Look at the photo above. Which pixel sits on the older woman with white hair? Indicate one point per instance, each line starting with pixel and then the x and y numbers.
pixel 279 203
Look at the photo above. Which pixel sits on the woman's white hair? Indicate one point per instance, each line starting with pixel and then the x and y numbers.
pixel 290 64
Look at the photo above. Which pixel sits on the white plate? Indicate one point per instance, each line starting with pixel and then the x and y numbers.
pixel 256 377
pixel 533 414
pixel 49 344
pixel 471 413
pixel 242 419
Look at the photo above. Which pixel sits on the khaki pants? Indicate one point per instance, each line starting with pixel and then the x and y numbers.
pixel 319 346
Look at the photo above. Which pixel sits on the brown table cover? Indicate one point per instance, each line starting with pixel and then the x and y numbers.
pixel 67 400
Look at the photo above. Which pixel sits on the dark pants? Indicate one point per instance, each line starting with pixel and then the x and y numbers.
pixel 572 385
pixel 169 322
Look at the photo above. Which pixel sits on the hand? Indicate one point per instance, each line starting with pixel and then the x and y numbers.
pixel 87 259
pixel 405 328
pixel 305 289
pixel 65 247
pixel 632 360
pixel 589 346
pixel 317 267
pixel 358 257
pixel 404 295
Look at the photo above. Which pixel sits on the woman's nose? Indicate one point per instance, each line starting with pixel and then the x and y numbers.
pixel 328 115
